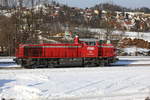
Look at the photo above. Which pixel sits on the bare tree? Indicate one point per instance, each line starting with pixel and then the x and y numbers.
pixel 7 30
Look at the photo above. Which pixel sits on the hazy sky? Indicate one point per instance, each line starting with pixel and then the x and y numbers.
pixel 89 3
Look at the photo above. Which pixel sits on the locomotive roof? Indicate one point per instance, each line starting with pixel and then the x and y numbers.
pixel 89 39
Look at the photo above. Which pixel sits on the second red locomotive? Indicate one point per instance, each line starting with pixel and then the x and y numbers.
pixel 50 55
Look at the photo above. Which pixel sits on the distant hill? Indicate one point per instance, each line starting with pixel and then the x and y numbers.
pixel 114 7
pixel 143 9
pixel 111 7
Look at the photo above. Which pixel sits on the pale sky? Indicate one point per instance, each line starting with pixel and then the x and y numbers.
pixel 89 3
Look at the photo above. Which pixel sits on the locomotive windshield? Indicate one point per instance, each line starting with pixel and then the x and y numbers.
pixel 91 43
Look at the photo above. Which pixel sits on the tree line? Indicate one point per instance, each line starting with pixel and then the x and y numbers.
pixel 26 25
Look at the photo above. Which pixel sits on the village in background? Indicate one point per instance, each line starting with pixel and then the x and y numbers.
pixel 43 21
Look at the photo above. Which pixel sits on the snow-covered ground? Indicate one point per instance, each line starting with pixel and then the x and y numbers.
pixel 106 83
pixel 98 83
pixel 6 59
pixel 133 49
pixel 140 35
pixel 132 60
pixel 8 62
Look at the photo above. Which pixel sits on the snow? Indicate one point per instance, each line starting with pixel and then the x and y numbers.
pixel 40 6
pixel 97 83
pixel 137 58
pixel 61 83
pixel 27 93
pixel 6 60
pixel 9 65
pixel 133 49
pixel 132 60
pixel 140 35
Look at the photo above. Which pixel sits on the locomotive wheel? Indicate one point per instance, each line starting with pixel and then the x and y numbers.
pixel 33 66
pixel 102 64
pixel 85 63
pixel 106 63
pixel 97 64
pixel 50 65
pixel 88 64
pixel 25 64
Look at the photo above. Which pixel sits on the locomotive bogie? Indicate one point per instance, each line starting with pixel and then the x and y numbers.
pixel 55 62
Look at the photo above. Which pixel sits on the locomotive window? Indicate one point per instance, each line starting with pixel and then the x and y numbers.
pixel 33 51
pixel 93 43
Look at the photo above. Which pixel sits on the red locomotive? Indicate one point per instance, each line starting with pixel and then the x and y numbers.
pixel 50 55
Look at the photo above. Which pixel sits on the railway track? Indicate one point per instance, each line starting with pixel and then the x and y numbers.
pixel 8 63
pixel 11 68
pixel 130 65
pixel 121 65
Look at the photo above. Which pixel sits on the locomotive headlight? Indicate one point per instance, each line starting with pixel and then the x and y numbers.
pixel 90 48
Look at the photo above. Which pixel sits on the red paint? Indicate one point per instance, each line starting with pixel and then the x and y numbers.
pixel 76 50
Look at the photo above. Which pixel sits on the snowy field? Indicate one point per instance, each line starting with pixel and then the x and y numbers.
pixel 94 83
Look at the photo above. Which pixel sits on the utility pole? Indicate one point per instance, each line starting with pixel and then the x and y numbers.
pixel 32 3
pixel 102 4
pixel 20 3
pixel 66 2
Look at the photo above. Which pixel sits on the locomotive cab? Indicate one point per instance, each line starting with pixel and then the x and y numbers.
pixel 89 48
